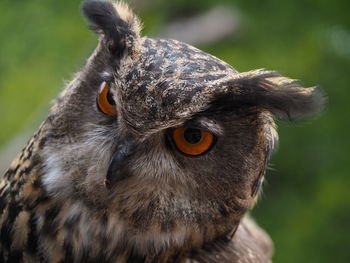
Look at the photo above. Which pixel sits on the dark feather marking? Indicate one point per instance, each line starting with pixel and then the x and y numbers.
pixel 50 226
pixel 39 201
pixel 2 204
pixel 37 183
pixel 6 229
pixel 135 258
pixel 67 246
pixel 85 255
pixel 223 210
pixel 101 258
pixel 15 256
pixel 27 170
pixel 32 243
pixel 4 193
pixel 11 171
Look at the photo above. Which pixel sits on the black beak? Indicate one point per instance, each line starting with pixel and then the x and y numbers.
pixel 117 167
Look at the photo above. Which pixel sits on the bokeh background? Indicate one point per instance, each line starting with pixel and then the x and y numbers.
pixel 306 203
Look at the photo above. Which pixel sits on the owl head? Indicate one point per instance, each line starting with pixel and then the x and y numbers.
pixel 166 143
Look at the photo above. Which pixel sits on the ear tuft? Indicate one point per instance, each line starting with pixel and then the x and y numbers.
pixel 287 98
pixel 282 96
pixel 129 17
pixel 118 24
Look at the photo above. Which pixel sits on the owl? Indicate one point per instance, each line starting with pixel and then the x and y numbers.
pixel 154 152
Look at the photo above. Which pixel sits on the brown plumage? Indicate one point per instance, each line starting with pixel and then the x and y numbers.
pixel 116 185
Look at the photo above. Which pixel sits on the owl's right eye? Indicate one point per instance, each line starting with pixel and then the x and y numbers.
pixel 105 101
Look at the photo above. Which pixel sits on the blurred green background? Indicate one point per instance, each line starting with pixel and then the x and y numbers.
pixel 306 203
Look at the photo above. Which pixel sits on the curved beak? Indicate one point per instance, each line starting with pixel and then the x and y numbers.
pixel 117 167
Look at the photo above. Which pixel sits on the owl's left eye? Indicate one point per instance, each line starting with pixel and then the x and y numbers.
pixel 105 101
pixel 193 142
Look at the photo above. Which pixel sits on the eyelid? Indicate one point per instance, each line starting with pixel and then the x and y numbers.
pixel 205 124
pixel 107 77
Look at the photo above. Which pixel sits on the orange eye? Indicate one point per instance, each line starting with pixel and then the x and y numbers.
pixel 105 100
pixel 192 141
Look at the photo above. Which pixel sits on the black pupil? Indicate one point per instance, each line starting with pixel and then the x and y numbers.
pixel 110 98
pixel 192 135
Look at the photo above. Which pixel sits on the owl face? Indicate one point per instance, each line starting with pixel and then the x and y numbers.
pixel 169 143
